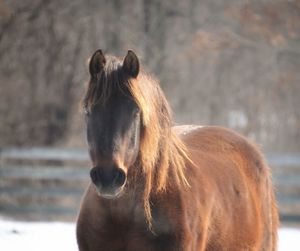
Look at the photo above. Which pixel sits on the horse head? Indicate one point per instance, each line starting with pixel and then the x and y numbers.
pixel 113 122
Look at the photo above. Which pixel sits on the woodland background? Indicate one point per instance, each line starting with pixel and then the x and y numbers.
pixel 234 63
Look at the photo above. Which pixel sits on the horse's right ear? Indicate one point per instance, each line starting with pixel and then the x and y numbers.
pixel 97 63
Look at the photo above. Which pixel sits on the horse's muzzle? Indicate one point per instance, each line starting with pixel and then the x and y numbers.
pixel 109 182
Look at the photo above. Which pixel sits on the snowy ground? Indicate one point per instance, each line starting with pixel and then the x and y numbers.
pixel 15 236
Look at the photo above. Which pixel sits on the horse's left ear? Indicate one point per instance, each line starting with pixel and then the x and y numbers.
pixel 131 64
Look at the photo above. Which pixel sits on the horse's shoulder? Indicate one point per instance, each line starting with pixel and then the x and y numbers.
pixel 222 143
pixel 213 135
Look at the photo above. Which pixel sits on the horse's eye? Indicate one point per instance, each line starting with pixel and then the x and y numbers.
pixel 136 112
pixel 86 111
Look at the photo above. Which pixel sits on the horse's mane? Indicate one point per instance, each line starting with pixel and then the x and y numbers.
pixel 162 154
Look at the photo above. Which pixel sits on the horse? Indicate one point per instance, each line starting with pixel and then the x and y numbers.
pixel 159 187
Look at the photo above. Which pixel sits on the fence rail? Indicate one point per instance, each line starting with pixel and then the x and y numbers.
pixel 39 190
pixel 44 153
pixel 47 172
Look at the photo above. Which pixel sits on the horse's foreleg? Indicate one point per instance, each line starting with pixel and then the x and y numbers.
pixel 81 242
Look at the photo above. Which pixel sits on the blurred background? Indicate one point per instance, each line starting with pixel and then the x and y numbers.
pixel 234 63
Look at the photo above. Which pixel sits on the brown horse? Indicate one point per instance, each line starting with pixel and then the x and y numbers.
pixel 155 187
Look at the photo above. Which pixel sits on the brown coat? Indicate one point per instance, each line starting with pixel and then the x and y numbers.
pixel 228 206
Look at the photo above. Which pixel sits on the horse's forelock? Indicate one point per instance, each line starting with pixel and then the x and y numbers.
pixel 110 80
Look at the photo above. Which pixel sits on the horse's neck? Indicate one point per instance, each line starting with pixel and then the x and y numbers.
pixel 129 206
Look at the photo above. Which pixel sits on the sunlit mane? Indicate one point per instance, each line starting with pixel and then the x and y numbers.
pixel 162 155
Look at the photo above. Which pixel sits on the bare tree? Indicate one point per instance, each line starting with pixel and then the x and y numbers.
pixel 231 63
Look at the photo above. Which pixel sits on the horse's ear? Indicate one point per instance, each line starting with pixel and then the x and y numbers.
pixel 131 64
pixel 97 63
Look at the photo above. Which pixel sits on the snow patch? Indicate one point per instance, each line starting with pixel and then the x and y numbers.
pixel 32 236
pixel 15 236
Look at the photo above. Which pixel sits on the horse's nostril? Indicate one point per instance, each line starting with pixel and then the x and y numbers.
pixel 120 177
pixel 94 175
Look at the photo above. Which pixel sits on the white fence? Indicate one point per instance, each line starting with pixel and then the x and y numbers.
pixel 47 183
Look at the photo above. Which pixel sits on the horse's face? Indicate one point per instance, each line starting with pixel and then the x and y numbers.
pixel 113 135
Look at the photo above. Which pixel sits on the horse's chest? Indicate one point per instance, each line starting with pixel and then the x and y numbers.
pixel 131 232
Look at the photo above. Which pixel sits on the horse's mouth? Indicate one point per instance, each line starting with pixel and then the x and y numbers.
pixel 110 194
